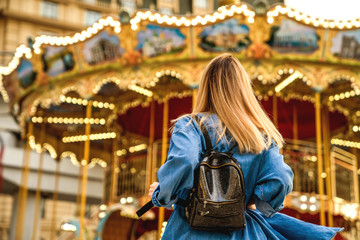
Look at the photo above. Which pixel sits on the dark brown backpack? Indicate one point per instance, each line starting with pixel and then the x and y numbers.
pixel 217 202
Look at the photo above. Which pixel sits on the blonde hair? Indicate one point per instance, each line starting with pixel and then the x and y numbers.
pixel 225 89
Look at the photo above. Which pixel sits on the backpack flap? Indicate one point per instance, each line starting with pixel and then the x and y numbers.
pixel 218 200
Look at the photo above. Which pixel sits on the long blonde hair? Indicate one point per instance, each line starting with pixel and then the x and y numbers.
pixel 225 89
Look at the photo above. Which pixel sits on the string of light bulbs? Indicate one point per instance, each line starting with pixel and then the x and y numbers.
pixel 84 102
pixel 75 162
pixel 345 143
pixel 183 21
pixel 92 137
pixel 132 149
pixel 68 120
pixel 309 20
pixel 295 75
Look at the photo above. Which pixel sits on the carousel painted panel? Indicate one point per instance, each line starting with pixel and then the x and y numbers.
pixel 104 48
pixel 58 61
pixel 158 43
pixel 344 47
pixel 26 73
pixel 231 35
pixel 293 40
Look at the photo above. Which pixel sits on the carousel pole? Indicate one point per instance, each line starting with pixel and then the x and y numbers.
pixel 114 178
pixel 327 165
pixel 356 180
pixel 319 156
pixel 275 109
pixel 55 198
pixel 38 187
pixel 150 166
pixel 85 169
pixel 163 157
pixel 195 91
pixel 297 182
pixel 78 195
pixel 22 197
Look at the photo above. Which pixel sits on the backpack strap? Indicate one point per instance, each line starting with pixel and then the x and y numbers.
pixel 232 148
pixel 205 133
pixel 144 209
pixel 207 136
pixel 182 202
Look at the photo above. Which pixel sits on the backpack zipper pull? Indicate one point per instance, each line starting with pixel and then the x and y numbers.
pixel 204 213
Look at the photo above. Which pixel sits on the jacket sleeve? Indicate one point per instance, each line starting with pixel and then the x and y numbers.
pixel 274 181
pixel 176 176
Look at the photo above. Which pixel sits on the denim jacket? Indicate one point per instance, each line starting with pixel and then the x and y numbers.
pixel 268 179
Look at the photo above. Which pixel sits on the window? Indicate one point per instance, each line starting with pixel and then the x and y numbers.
pixel 49 9
pixel 166 10
pixel 201 3
pixel 149 4
pixel 186 6
pixel 91 17
pixel 129 6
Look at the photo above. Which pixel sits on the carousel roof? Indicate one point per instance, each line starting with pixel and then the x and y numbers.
pixel 120 68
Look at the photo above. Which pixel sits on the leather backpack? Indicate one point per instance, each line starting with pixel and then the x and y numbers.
pixel 217 201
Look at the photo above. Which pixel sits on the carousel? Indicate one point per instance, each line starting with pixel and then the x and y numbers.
pixel 106 96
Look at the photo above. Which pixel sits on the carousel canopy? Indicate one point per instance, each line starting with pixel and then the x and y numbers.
pixel 118 69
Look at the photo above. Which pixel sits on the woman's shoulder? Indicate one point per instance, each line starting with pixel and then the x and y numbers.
pixel 183 123
pixel 189 121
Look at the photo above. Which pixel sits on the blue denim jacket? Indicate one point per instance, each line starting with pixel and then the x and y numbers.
pixel 267 181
